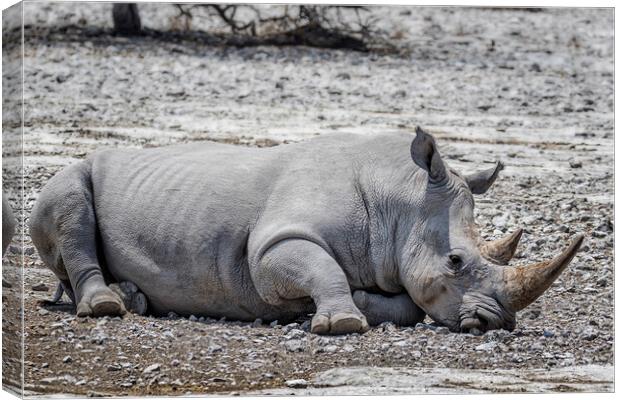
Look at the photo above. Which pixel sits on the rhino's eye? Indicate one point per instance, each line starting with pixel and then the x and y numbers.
pixel 456 261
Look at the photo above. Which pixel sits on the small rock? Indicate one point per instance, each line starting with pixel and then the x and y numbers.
pixel 193 318
pixel 589 334
pixel 273 324
pixel 387 326
pixel 43 311
pixel 40 287
pixel 489 346
pixel 288 327
pixel 348 348
pixel 67 359
pixel 151 368
pixel 575 164
pixel 548 333
pixel 294 345
pixel 442 330
pixel 214 348
pixel 422 326
pixel 297 383
pixel 332 348
pixel 344 76
pixel 175 363
pixel 257 323
pixel 295 334
pixel 305 326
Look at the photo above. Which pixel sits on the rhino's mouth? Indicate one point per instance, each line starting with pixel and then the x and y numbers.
pixel 483 313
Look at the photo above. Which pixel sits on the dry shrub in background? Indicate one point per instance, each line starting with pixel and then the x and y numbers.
pixel 343 27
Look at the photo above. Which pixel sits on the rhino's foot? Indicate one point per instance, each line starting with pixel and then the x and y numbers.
pixel 339 323
pixel 100 302
pixel 134 300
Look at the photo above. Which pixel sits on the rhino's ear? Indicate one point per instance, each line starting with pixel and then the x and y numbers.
pixel 426 156
pixel 479 182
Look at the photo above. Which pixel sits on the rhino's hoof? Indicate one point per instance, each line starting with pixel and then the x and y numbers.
pixel 339 324
pixel 102 303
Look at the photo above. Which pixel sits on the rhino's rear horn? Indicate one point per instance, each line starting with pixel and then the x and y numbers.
pixel 479 182
pixel 502 250
pixel 523 285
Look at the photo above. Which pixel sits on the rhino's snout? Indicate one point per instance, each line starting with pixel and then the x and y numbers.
pixel 483 313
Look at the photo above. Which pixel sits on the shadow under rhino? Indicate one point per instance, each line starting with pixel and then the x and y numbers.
pixel 357 230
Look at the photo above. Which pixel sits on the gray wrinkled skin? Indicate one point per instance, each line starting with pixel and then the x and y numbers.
pixel 352 228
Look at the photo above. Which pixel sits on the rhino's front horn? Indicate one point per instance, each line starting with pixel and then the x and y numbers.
pixel 502 250
pixel 525 284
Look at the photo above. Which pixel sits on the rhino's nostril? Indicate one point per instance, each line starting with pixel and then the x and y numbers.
pixel 484 323
pixel 470 323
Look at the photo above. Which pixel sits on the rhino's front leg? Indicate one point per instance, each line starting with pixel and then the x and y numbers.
pixel 297 268
pixel 399 309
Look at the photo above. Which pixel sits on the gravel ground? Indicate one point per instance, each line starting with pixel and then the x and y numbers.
pixel 490 84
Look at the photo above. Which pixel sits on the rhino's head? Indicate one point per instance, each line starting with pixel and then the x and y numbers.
pixel 457 279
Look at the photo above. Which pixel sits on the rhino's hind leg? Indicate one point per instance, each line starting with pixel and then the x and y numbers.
pixel 399 309
pixel 63 229
pixel 296 268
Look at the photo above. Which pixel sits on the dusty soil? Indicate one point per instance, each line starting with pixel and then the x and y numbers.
pixel 490 84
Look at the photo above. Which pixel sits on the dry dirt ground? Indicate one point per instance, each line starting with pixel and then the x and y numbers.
pixel 532 89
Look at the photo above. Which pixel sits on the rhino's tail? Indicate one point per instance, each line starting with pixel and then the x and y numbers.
pixel 63 287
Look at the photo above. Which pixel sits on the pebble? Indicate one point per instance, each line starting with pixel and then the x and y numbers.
pixel 175 363
pixel 306 326
pixel 288 327
pixel 294 345
pixel 67 359
pixel 575 164
pixel 193 318
pixel 151 368
pixel 257 323
pixel 40 287
pixel 548 333
pixel 489 346
pixel 589 333
pixel 332 348
pixel 297 383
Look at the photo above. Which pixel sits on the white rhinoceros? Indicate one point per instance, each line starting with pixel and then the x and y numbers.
pixel 354 229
